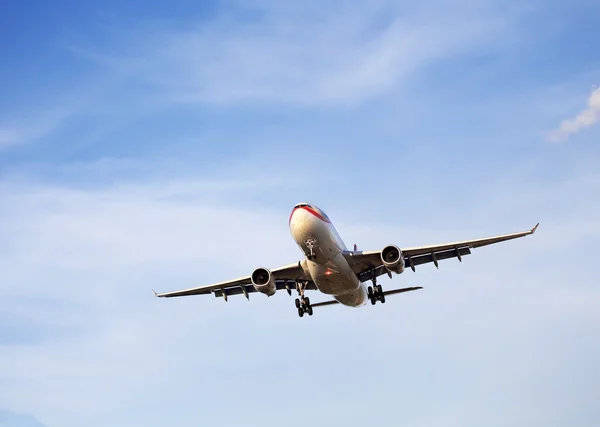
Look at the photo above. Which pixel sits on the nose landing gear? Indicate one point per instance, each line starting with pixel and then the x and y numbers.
pixel 310 244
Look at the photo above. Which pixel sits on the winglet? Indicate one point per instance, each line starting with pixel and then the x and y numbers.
pixel 155 294
pixel 534 228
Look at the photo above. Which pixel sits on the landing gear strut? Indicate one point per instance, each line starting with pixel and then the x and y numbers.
pixel 375 292
pixel 303 303
pixel 310 244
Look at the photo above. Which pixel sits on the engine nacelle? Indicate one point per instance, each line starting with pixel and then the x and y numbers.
pixel 392 259
pixel 263 281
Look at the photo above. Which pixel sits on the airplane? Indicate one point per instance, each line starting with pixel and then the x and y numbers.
pixel 330 268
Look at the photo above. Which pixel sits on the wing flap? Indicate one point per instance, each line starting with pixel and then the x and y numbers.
pixel 377 269
pixel 280 285
pixel 412 261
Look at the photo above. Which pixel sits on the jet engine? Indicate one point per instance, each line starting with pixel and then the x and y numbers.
pixel 263 281
pixel 392 259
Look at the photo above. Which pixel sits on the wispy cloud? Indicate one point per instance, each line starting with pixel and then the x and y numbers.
pixel 14 135
pixel 10 137
pixel 325 55
pixel 41 122
pixel 78 264
pixel 121 318
pixel 11 419
pixel 265 52
pixel 585 119
pixel 49 114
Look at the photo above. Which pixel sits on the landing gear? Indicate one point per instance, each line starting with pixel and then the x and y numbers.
pixel 310 244
pixel 303 303
pixel 303 306
pixel 375 292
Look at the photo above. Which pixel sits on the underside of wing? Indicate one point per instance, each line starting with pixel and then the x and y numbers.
pixel 475 243
pixel 284 278
pixel 368 265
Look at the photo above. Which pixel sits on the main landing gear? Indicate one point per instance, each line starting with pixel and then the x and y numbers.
pixel 375 292
pixel 303 303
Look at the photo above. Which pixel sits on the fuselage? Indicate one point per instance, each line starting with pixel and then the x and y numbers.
pixel 325 262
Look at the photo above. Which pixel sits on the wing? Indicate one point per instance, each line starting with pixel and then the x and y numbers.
pixel 368 264
pixel 285 278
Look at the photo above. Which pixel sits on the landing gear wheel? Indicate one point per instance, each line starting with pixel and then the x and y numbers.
pixel 375 293
pixel 303 303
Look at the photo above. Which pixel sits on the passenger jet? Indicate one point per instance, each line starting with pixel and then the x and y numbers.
pixel 330 268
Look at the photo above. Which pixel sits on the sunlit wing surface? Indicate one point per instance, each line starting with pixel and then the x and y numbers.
pixel 285 278
pixel 368 264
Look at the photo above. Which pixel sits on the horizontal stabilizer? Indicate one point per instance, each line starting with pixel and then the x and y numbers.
pixel 324 303
pixel 398 291
pixel 386 293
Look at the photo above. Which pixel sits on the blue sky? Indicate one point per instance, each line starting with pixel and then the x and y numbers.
pixel 163 146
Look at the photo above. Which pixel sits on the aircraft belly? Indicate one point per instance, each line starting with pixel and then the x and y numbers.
pixel 334 277
pixel 353 299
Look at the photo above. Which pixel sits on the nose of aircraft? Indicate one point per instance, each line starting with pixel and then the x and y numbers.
pixel 312 210
pixel 292 215
pixel 298 220
pixel 305 217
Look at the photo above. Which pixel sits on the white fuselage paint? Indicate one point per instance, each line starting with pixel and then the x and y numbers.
pixel 329 268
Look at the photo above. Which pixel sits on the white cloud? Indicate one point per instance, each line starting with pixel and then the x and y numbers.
pixel 9 419
pixel 310 55
pixel 37 126
pixel 78 265
pixel 48 115
pixel 12 136
pixel 9 137
pixel 585 119
pixel 307 54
